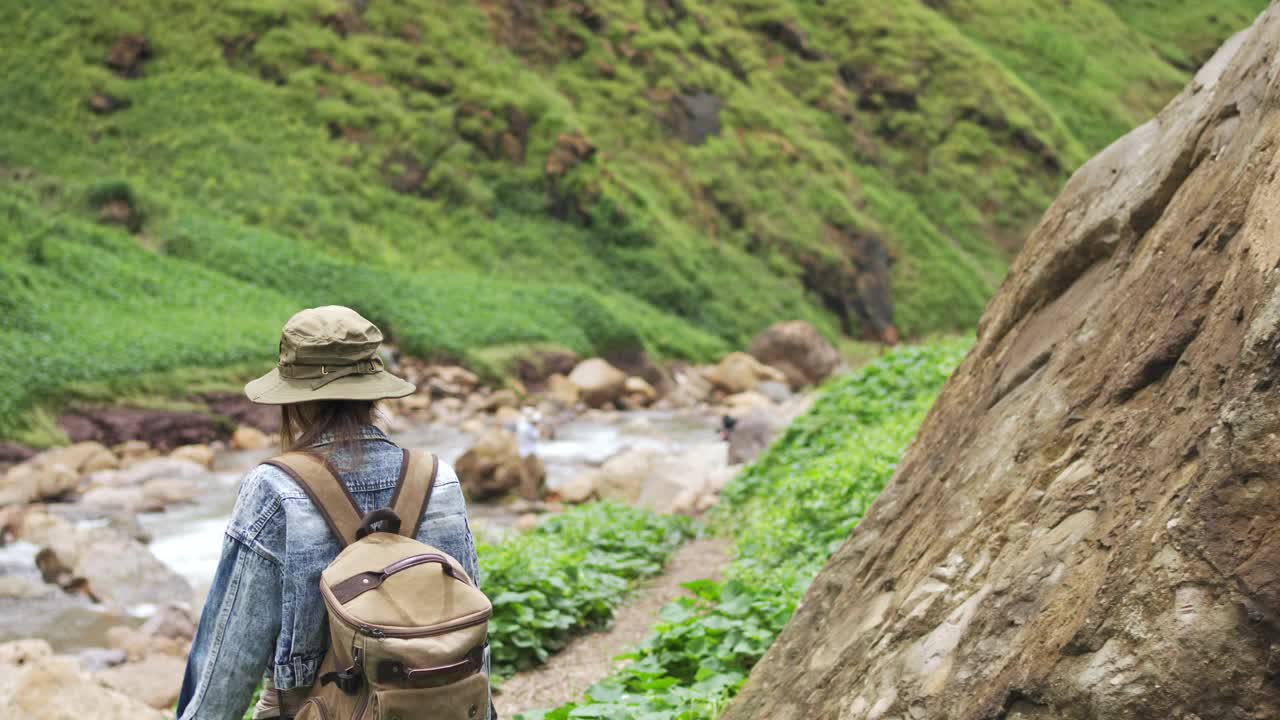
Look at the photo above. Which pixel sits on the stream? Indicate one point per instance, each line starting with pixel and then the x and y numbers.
pixel 188 538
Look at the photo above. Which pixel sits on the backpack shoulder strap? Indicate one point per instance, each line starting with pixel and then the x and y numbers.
pixel 413 490
pixel 326 491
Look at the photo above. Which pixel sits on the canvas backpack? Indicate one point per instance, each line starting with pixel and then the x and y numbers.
pixel 407 627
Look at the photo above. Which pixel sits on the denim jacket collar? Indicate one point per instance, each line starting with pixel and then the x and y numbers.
pixel 366 432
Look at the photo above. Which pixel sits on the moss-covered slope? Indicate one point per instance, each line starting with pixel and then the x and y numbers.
pixel 675 173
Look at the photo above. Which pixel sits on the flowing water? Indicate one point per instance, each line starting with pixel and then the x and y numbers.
pixel 188 538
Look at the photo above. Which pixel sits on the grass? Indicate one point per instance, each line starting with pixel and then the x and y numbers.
pixel 786 513
pixel 478 175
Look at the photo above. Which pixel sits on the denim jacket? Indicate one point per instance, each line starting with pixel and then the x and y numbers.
pixel 264 611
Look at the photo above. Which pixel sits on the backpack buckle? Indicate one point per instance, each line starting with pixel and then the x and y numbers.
pixel 348 681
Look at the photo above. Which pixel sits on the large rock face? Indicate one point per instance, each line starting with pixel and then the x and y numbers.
pixel 1088 525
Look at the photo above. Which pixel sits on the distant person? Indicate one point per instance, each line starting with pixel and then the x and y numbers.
pixel 265 611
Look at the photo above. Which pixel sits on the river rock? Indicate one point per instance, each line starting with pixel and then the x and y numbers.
pixel 739 372
pixel 109 498
pixel 170 621
pixel 660 481
pixel 37 685
pixel 493 467
pixel 745 403
pixel 1086 525
pixel 598 382
pixel 562 391
pixel 249 438
pixel 622 477
pixel 525 522
pixel 796 348
pixel 106 565
pixel 498 399
pixel 22 587
pixel 198 454
pixel 139 645
pixel 43 477
pixel 691 388
pixel 99 659
pixel 133 451
pixel 155 680
pixel 775 391
pixel 85 457
pixel 144 471
pixel 641 387
pixel 580 488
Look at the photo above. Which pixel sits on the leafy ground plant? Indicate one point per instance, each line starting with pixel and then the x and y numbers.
pixel 786 513
pixel 568 575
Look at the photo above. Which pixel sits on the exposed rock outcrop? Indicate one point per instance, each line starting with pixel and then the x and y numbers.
pixel 1087 525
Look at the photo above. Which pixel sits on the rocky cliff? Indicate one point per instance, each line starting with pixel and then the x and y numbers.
pixel 1088 525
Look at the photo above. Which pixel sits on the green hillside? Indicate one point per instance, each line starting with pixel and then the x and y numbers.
pixel 177 177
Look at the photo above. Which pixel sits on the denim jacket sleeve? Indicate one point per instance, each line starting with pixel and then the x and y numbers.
pixel 234 641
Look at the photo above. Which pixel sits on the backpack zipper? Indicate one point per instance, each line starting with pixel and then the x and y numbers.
pixel 320 708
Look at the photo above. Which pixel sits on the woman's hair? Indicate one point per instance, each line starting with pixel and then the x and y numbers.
pixel 304 424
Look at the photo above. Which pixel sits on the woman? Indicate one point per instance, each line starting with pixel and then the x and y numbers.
pixel 265 611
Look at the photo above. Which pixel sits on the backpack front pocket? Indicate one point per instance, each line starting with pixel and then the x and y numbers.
pixel 466 699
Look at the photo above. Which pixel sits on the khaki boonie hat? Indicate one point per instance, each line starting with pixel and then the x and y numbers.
pixel 328 353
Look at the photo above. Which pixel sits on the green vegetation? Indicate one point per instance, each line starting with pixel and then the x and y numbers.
pixel 568 575
pixel 787 514
pixel 670 175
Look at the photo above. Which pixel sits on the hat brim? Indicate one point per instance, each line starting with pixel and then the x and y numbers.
pixel 272 389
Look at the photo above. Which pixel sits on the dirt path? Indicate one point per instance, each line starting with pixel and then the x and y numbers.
pixel 587 659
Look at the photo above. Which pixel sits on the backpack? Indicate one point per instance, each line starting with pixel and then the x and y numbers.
pixel 407 627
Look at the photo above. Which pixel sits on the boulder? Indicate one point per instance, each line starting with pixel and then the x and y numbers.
pixel 580 488
pixel 109 498
pixel 133 451
pixel 739 372
pixel 493 467
pixel 690 388
pixel 170 621
pixel 640 389
pixel 775 391
pixel 37 685
pixel 144 471
pixel 798 350
pixel 85 457
pixel 660 481
pixel 623 477
pixel 249 438
pixel 498 399
pixel 526 522
pixel 1086 525
pixel 198 454
pixel 155 680
pixel 599 383
pixel 43 477
pixel 104 564
pixel 98 659
pixel 139 645
pixel 746 403
pixel 562 391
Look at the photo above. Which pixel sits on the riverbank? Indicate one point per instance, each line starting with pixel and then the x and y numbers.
pixel 108 551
